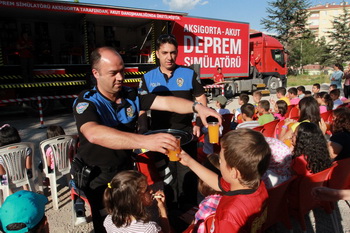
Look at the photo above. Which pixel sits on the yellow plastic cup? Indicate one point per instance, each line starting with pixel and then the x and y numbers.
pixel 172 154
pixel 213 130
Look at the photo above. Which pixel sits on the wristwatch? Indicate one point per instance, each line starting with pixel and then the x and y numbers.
pixel 194 106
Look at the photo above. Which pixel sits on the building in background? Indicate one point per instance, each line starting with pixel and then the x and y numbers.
pixel 321 18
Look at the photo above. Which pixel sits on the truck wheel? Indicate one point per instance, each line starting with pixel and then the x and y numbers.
pixel 32 107
pixel 273 83
pixel 230 90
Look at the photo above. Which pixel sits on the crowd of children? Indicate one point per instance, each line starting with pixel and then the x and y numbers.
pixel 233 184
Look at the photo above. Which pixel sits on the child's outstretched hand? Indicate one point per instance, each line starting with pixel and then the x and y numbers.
pixel 184 158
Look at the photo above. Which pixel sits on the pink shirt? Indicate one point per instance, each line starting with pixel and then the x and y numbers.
pixel 294 101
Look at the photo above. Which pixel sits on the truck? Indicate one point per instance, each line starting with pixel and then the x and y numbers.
pixel 64 34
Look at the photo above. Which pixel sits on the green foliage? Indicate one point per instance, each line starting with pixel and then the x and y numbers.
pixel 287 18
pixel 340 47
pixel 297 80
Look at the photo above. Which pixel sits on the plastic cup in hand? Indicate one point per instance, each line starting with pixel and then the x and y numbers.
pixel 213 130
pixel 172 154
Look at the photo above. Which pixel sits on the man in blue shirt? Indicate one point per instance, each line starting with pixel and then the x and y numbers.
pixel 106 121
pixel 170 79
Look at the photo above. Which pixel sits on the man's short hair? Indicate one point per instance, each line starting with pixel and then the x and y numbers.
pixel 166 38
pixel 293 91
pixel 281 90
pixel 248 152
pixel 248 110
pixel 95 55
pixel 317 85
pixel 301 88
pixel 22 211
pixel 265 104
pixel 244 98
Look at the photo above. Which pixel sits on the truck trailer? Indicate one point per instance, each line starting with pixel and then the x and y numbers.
pixel 64 34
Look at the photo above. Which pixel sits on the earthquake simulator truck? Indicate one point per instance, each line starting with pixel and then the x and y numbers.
pixel 63 34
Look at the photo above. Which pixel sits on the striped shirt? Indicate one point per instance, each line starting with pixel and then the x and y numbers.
pixel 134 227
pixel 248 124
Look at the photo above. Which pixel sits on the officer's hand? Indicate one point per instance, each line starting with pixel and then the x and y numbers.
pixel 205 112
pixel 160 142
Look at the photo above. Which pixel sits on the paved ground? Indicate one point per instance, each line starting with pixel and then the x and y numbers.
pixel 61 220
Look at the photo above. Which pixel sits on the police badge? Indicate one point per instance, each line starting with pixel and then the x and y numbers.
pixel 130 111
pixel 180 82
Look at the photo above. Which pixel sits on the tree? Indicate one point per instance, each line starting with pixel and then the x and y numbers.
pixel 287 18
pixel 340 36
pixel 308 50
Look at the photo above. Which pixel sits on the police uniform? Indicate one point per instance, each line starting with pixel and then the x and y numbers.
pixel 182 83
pixel 92 106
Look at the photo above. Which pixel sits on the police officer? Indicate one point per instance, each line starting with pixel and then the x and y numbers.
pixel 106 120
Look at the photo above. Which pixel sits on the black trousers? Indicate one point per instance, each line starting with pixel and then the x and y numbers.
pixel 346 91
pixel 95 197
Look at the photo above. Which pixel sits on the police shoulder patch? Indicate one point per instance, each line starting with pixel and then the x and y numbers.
pixel 81 107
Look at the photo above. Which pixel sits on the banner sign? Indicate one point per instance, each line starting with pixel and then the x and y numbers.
pixel 76 8
pixel 212 43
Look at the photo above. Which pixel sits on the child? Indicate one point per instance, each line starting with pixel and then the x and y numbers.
pixel 332 87
pixel 281 94
pixel 248 112
pixel 243 205
pixel 301 92
pixel 335 94
pixel 10 135
pixel 257 95
pixel 126 198
pixel 221 102
pixel 324 100
pixel 212 198
pixel 316 88
pixel 310 147
pixel 242 99
pixel 280 110
pixel 293 96
pixel 52 131
pixel 263 109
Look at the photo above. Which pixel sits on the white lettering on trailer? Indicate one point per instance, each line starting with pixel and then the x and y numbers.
pixel 65 8
pixel 6 3
pixel 213 62
pixel 201 44
pixel 202 29
pixel 232 32
pixel 33 5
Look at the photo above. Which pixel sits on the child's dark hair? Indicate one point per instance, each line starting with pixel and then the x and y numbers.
pixel 293 91
pixel 341 122
pixel 9 135
pixel 248 110
pixel 311 143
pixel 281 90
pixel 334 86
pixel 335 92
pixel 251 157
pixel 212 163
pixel 54 130
pixel 122 198
pixel 307 93
pixel 317 85
pixel 244 98
pixel 327 99
pixel 309 110
pixel 265 104
pixel 301 88
pixel 282 107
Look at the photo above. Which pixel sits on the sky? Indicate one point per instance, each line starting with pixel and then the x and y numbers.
pixel 249 11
